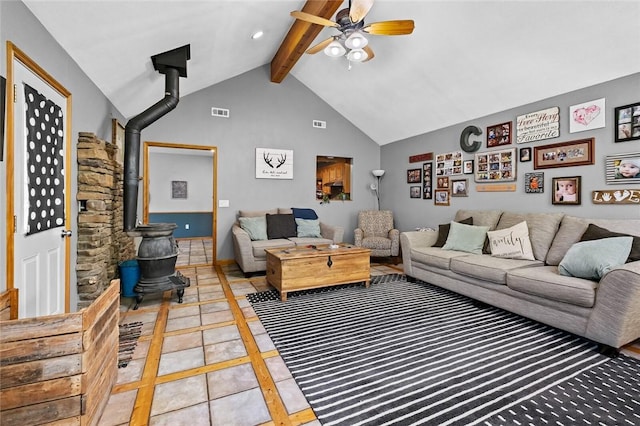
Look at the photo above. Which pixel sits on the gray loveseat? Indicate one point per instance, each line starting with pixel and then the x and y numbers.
pixel 250 254
pixel 605 311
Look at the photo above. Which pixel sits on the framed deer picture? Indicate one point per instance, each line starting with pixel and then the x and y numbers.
pixel 274 163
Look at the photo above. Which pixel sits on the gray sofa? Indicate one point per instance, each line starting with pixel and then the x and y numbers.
pixel 250 254
pixel 605 311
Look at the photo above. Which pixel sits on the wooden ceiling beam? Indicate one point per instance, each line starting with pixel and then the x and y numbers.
pixel 300 36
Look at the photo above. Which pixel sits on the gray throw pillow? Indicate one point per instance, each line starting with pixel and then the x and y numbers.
pixel 281 226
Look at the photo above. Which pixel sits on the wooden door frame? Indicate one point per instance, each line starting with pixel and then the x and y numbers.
pixel 15 54
pixel 214 173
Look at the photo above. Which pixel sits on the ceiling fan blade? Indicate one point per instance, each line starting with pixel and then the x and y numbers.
pixel 370 53
pixel 399 27
pixel 307 17
pixel 320 46
pixel 359 9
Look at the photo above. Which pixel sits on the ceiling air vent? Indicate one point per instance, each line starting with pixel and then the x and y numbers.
pixel 220 112
pixel 319 124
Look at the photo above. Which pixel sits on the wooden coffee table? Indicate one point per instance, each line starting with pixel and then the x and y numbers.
pixel 316 266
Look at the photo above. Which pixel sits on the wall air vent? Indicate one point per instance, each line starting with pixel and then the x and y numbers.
pixel 319 124
pixel 220 112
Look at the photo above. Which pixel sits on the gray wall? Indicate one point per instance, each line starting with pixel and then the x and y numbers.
pixel 91 112
pixel 196 170
pixel 412 213
pixel 268 115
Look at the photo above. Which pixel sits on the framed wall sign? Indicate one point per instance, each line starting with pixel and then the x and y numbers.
pixel 566 190
pixel 496 166
pixel 539 125
pixel 623 168
pixel 619 196
pixel 427 175
pixel 574 153
pixel 627 126
pixel 498 135
pixel 274 163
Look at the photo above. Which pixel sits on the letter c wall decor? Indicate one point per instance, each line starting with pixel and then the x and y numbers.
pixel 465 144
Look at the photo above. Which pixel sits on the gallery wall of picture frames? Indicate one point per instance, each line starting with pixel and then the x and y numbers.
pixel 498 164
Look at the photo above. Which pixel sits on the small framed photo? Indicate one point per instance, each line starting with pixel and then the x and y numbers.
pixel 534 183
pixel 414 191
pixel 525 154
pixel 117 138
pixel 459 187
pixel 179 189
pixel 414 176
pixel 442 182
pixel 499 135
pixel 441 197
pixel 566 190
pixel 467 167
pixel 427 175
pixel 627 126
pixel 623 168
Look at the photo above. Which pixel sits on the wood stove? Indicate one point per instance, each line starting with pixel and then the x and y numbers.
pixel 158 250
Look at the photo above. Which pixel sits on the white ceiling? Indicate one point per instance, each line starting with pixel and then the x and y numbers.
pixel 464 60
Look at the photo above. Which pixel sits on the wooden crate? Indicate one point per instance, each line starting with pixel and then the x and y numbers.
pixel 60 368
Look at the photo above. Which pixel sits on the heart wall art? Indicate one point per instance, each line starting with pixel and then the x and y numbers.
pixel 587 116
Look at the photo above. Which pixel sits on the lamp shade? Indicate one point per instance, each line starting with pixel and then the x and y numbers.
pixel 377 173
pixel 335 49
pixel 357 55
pixel 356 41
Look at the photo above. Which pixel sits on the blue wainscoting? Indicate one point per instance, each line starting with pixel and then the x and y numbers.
pixel 200 223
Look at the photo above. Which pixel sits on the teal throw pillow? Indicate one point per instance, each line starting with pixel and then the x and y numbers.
pixel 468 238
pixel 256 227
pixel 308 228
pixel 593 259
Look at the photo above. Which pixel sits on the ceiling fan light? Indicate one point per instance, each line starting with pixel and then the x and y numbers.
pixel 357 55
pixel 356 41
pixel 334 49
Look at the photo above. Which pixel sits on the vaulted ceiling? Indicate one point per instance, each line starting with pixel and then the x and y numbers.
pixel 465 59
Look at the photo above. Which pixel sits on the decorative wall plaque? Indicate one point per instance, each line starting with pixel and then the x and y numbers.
pixel 539 125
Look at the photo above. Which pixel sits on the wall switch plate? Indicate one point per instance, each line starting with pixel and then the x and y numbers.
pixel 223 203
pixel 186 226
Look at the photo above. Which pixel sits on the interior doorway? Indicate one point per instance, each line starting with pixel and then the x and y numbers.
pixel 179 186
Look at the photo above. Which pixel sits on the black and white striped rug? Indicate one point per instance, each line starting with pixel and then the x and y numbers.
pixel 411 353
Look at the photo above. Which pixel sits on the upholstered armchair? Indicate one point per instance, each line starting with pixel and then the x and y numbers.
pixel 375 231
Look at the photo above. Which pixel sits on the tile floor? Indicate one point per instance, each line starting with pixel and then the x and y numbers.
pixel 192 252
pixel 207 361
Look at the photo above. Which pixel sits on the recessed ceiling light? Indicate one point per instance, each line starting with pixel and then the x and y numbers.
pixel 257 35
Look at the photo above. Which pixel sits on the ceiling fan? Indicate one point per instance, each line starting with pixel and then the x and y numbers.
pixel 351 42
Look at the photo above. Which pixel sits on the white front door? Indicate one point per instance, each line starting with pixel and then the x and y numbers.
pixel 40 156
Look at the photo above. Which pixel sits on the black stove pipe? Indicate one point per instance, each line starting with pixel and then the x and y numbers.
pixel 173 65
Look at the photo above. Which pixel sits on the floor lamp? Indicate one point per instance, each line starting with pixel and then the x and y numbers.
pixel 378 174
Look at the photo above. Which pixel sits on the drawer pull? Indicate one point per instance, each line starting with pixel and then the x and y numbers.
pixel 329 262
